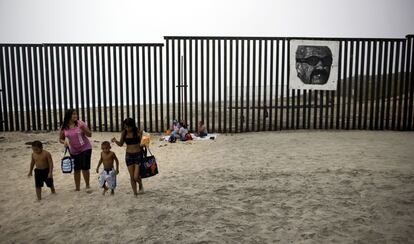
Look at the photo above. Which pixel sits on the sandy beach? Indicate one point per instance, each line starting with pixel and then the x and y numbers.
pixel 268 187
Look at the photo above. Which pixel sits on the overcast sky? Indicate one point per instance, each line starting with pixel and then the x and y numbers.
pixel 44 21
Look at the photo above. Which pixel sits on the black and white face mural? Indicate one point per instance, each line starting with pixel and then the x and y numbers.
pixel 313 64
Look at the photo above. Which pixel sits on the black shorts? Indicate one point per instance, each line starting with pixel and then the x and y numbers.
pixel 82 160
pixel 41 176
pixel 133 158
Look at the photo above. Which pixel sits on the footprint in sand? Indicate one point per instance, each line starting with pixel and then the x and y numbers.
pixel 221 190
pixel 89 191
pixel 386 187
pixel 345 182
pixel 309 235
pixel 161 217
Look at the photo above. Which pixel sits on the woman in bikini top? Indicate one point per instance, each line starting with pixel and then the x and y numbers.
pixel 131 136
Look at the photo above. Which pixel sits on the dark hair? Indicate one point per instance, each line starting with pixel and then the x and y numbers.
pixel 130 123
pixel 37 144
pixel 67 118
pixel 106 143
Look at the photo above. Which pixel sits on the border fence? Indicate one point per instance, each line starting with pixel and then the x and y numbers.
pixel 103 82
pixel 233 84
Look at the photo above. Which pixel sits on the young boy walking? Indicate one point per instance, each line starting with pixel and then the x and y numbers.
pixel 107 178
pixel 44 168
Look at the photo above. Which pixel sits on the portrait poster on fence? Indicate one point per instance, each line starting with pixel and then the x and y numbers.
pixel 314 64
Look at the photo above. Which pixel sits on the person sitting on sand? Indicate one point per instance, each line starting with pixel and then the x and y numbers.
pixel 175 126
pixel 175 130
pixel 44 168
pixel 201 130
pixel 107 178
pixel 183 132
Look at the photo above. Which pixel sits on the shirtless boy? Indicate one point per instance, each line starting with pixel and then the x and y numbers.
pixel 44 168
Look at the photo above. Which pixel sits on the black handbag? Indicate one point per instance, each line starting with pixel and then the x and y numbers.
pixel 149 165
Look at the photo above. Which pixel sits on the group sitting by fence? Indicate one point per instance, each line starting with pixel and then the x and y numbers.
pixel 180 131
